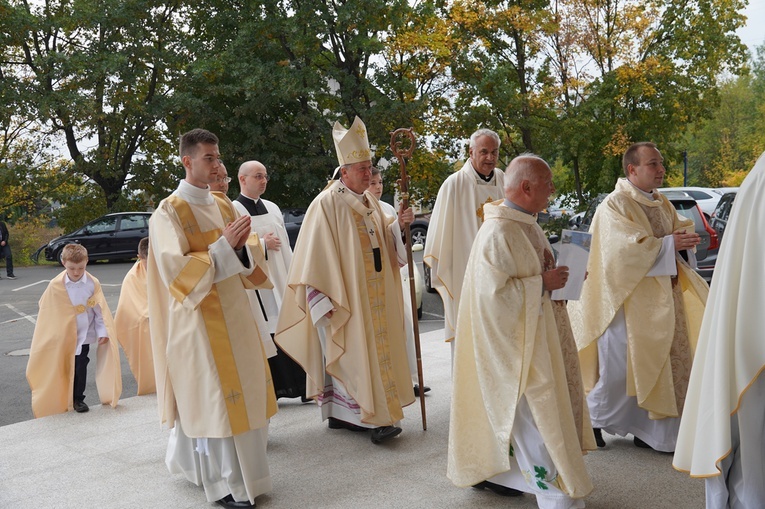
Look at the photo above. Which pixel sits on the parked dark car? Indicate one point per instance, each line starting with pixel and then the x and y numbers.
pixel 721 214
pixel 293 218
pixel 110 237
pixel 706 251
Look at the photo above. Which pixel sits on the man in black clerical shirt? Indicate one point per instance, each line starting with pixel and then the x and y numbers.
pixel 268 223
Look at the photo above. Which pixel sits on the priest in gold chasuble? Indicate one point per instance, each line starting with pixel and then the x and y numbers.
pixel 513 425
pixel 342 316
pixel 213 383
pixel 641 306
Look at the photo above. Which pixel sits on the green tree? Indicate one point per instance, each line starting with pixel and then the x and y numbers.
pixel 724 147
pixel 96 74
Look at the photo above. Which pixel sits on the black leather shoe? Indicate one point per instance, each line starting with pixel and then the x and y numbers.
pixel 381 434
pixel 80 406
pixel 498 489
pixel 338 424
pixel 599 437
pixel 228 501
pixel 425 389
pixel 640 443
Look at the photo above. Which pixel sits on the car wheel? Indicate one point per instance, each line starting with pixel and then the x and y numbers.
pixel 419 234
pixel 428 287
pixel 57 256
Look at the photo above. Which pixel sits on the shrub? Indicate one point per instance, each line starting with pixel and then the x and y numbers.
pixel 27 235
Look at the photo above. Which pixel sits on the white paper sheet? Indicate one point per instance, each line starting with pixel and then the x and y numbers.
pixel 573 252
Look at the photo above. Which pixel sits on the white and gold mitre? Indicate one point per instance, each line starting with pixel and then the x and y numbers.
pixel 352 145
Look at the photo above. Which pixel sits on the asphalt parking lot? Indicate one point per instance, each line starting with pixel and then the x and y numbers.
pixel 18 315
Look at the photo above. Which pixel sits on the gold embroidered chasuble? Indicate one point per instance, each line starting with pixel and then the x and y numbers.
pixel 457 216
pixel 366 344
pixel 210 366
pixel 662 314
pixel 132 323
pixel 507 346
pixel 50 370
pixel 567 344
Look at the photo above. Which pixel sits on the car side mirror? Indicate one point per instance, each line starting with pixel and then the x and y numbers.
pixel 553 238
pixel 417 247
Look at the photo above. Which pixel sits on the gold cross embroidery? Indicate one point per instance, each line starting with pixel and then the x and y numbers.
pixel 233 396
pixel 479 211
pixel 190 227
pixel 360 131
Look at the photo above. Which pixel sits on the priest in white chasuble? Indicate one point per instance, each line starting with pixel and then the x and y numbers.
pixel 342 315
pixel 457 215
pixel 640 308
pixel 213 383
pixel 132 322
pixel 723 425
pixel 512 426
pixel 267 223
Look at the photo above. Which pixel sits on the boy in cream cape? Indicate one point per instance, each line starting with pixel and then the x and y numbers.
pixel 73 315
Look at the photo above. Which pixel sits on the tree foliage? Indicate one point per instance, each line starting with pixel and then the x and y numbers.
pixel 112 84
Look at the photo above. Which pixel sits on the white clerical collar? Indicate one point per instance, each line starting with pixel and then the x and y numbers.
pixel 650 195
pixel 358 196
pixel 82 280
pixel 195 194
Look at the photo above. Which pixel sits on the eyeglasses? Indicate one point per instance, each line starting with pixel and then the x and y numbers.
pixel 260 176
pixel 224 179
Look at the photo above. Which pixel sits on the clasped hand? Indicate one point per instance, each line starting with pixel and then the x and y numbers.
pixel 237 231
pixel 272 242
pixel 686 240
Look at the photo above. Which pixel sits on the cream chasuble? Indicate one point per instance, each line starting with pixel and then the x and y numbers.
pixel 132 324
pixel 365 348
pixel 210 365
pixel 506 347
pixel 454 223
pixel 731 352
pixel 662 315
pixel 50 370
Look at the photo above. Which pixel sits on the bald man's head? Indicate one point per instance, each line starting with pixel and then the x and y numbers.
pixel 253 179
pixel 528 182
